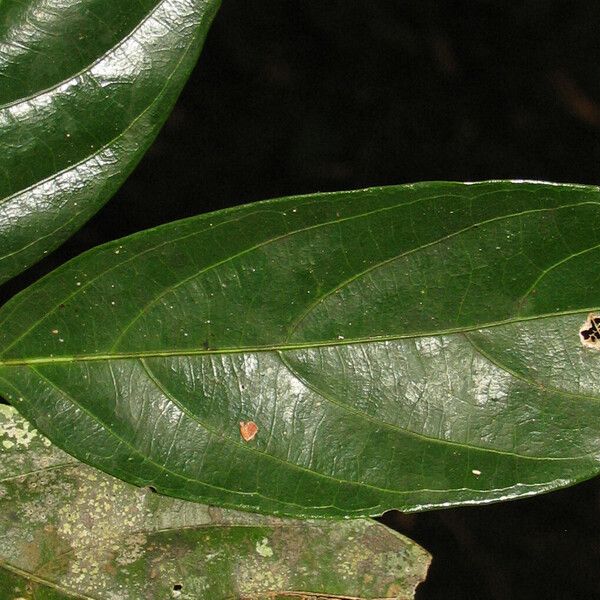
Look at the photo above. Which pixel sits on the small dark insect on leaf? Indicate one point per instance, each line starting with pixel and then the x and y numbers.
pixel 248 429
pixel 590 332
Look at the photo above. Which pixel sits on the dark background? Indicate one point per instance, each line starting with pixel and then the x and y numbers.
pixel 315 95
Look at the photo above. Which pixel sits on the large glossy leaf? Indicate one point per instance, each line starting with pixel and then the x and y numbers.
pixel 84 87
pixel 67 530
pixel 406 347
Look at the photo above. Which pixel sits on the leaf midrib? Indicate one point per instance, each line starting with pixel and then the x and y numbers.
pixel 283 347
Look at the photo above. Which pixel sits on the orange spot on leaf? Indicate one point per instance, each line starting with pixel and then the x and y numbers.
pixel 248 429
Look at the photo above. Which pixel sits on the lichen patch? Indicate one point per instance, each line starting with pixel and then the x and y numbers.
pixel 264 549
pixel 16 433
pixel 101 524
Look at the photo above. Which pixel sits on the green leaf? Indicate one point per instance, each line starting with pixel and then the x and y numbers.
pixel 69 531
pixel 84 88
pixel 407 347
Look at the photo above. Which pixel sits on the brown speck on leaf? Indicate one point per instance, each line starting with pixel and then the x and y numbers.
pixel 248 429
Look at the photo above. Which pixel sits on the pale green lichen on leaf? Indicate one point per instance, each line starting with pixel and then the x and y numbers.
pixel 70 531
pixel 264 549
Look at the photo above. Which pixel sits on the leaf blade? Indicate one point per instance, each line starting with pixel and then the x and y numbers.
pixel 89 114
pixel 391 403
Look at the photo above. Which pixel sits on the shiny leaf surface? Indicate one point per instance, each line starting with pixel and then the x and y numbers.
pixel 69 531
pixel 406 347
pixel 85 86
